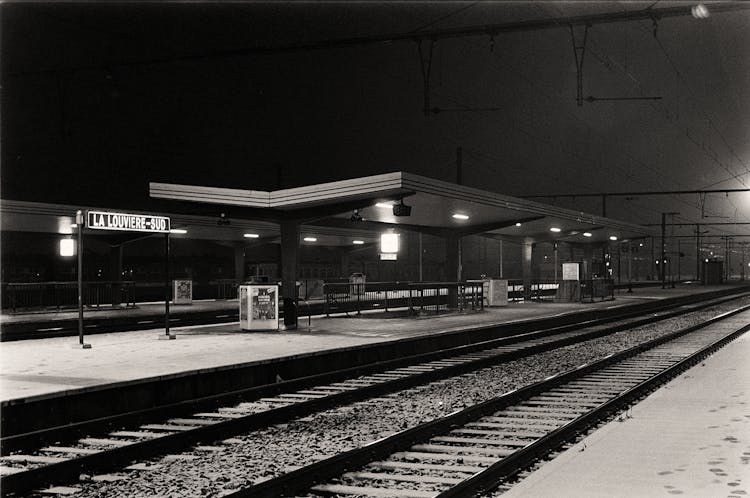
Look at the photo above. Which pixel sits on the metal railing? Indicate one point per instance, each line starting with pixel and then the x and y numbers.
pixel 602 289
pixel 539 290
pixel 421 297
pixel 63 295
pixel 226 288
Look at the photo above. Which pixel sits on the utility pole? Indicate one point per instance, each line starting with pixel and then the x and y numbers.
pixel 697 252
pixel 726 258
pixel 664 247
pixel 459 165
pixel 663 251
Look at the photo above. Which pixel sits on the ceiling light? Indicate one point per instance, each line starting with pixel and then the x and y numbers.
pixel 358 242
pixel 587 234
pixel 555 229
pixel 460 216
pixel 384 205
pixel 178 230
pixel 251 235
pixel 613 237
pixel 310 239
pixel 518 224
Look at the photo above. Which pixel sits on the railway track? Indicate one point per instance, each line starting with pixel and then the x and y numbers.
pixel 25 466
pixel 474 450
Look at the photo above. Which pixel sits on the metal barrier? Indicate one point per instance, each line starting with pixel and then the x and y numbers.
pixel 60 295
pixel 226 288
pixel 421 297
pixel 601 288
pixel 539 290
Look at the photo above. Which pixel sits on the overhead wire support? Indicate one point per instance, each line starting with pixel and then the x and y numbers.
pixel 579 52
pixel 425 63
pixel 591 98
pixel 612 194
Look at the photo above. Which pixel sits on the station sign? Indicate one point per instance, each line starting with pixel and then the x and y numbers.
pixel 126 222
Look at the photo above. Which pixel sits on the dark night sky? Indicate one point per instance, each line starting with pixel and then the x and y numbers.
pixel 87 120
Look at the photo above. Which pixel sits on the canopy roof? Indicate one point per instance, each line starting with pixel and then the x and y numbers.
pixel 433 206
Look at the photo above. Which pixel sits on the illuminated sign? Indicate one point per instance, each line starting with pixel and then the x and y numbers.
pixel 102 220
pixel 570 271
pixel 389 242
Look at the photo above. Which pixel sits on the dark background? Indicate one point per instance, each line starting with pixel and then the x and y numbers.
pixel 98 100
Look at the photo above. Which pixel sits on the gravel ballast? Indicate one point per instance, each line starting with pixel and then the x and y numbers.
pixel 222 467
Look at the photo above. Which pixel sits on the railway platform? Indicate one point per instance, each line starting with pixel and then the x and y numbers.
pixel 689 438
pixel 42 368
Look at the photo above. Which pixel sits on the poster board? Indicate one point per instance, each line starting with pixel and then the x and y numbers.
pixel 570 271
pixel 496 292
pixel 182 291
pixel 259 307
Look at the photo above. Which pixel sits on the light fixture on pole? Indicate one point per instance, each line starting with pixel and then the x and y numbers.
pixel 80 224
pixel 67 247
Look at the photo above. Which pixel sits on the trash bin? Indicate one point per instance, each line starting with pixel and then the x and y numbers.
pixel 290 312
pixel 357 281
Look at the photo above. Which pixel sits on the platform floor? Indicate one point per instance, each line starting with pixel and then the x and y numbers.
pixel 44 367
pixel 690 438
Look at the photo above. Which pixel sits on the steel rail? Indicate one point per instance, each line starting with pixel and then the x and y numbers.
pixel 304 478
pixel 65 470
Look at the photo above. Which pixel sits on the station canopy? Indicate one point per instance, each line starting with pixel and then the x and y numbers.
pixel 335 212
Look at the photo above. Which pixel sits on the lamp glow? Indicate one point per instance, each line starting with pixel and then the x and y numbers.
pixel 518 224
pixel 389 243
pixel 612 237
pixel 700 11
pixel 358 242
pixel 587 234
pixel 384 205
pixel 310 239
pixel 555 229
pixel 67 247
pixel 460 216
pixel 251 235
pixel 178 230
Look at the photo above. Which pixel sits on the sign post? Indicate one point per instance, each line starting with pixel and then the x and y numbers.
pixel 167 287
pixel 126 222
pixel 79 226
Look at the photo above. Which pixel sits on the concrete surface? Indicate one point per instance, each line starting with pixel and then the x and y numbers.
pixel 43 366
